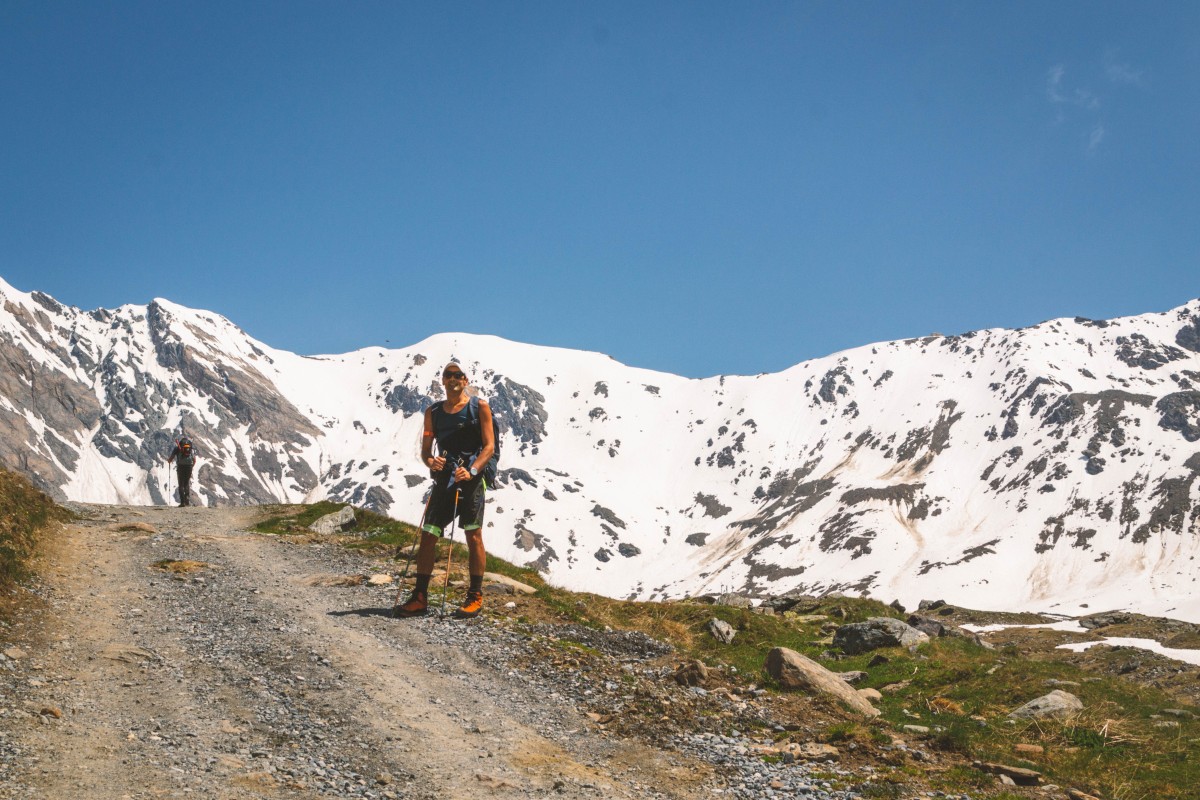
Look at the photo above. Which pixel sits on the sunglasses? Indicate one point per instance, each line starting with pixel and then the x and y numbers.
pixel 458 376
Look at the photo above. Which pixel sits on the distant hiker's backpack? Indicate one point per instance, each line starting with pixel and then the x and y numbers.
pixel 187 456
pixel 489 469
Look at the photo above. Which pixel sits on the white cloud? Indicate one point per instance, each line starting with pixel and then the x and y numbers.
pixel 1061 95
pixel 1076 103
pixel 1120 73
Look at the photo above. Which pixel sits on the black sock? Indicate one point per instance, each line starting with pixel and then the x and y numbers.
pixel 422 585
pixel 477 583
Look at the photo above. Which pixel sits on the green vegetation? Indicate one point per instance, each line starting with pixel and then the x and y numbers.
pixel 25 515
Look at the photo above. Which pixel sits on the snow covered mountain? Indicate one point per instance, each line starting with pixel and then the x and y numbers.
pixel 1052 468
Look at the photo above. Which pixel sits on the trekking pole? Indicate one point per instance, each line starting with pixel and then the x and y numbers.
pixel 168 484
pixel 449 555
pixel 411 550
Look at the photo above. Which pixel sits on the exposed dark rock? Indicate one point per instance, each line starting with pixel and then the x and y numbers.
pixel 833 384
pixel 970 554
pixel 1056 529
pixel 788 496
pixel 1181 412
pixel 520 411
pixel 845 531
pixel 1138 351
pixel 532 542
pixel 1189 335
pixel 406 401
pixel 1174 503
pixel 712 507
pixel 900 493
pixel 607 515
pixel 515 477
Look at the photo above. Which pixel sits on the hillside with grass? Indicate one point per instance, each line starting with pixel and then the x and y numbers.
pixel 1137 734
pixel 27 517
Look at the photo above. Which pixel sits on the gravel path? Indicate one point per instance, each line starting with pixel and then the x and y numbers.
pixel 247 678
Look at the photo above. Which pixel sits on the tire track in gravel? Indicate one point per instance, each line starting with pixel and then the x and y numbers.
pixel 242 680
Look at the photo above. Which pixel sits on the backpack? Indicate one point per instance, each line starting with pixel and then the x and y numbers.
pixel 489 469
pixel 186 457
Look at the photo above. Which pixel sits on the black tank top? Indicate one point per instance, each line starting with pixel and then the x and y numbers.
pixel 456 434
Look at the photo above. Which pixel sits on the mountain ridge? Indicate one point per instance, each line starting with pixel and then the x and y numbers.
pixel 1048 468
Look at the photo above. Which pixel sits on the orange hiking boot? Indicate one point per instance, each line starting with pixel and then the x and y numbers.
pixel 416 606
pixel 471 606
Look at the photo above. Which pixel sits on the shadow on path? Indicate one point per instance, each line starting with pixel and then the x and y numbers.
pixel 364 612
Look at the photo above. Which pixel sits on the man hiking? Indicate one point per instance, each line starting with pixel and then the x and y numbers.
pixel 184 456
pixel 462 428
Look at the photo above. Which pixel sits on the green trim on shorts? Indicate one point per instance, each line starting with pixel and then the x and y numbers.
pixel 433 530
pixel 472 527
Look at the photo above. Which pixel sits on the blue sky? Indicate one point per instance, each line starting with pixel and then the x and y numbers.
pixel 695 187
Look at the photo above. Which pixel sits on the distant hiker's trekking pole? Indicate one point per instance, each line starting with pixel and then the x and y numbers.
pixel 168 486
pixel 449 555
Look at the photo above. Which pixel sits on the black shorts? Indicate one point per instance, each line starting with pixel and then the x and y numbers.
pixel 442 505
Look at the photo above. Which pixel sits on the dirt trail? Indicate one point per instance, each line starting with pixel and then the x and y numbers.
pixel 240 678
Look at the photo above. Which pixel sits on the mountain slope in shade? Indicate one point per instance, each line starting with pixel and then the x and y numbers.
pixel 1052 468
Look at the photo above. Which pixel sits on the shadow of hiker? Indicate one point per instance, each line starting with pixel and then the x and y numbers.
pixel 363 612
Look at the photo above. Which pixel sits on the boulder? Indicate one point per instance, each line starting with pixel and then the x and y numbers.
pixel 877 632
pixel 1056 704
pixel 1104 619
pixel 734 600
pixel 795 672
pixel 693 673
pixel 797 602
pixel 1018 775
pixel 512 583
pixel 336 522
pixel 721 630
pixel 935 628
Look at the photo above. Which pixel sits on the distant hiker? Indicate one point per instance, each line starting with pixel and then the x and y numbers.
pixel 462 428
pixel 184 456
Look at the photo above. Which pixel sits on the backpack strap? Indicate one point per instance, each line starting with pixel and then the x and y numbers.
pixel 473 412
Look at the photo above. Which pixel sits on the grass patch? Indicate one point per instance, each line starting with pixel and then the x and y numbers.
pixel 286 520
pixel 26 514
